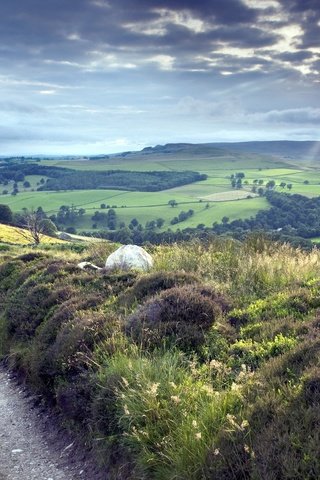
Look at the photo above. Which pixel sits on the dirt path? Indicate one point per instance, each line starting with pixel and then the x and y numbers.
pixel 31 446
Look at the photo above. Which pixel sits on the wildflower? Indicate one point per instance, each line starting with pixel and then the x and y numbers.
pixel 246 448
pixel 153 389
pixel 216 451
pixel 232 420
pixel 218 366
pixel 194 423
pixel 244 424
pixel 198 435
pixel 173 384
pixel 235 386
pixel 126 410
pixel 208 389
pixel 125 381
pixel 175 399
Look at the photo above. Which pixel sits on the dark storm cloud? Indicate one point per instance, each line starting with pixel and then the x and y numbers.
pixel 298 56
pixel 59 30
pixel 47 25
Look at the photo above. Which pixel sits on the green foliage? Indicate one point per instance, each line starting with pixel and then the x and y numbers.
pixel 119 180
pixel 5 214
pixel 252 354
pixel 284 304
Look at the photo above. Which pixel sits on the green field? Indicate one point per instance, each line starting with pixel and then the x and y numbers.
pixel 211 199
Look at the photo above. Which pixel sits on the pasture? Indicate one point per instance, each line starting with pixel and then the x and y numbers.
pixel 211 200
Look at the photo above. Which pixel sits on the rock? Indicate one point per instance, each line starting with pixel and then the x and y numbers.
pixel 88 266
pixel 129 257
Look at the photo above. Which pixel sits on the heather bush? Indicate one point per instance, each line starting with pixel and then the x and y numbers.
pixel 153 283
pixel 179 316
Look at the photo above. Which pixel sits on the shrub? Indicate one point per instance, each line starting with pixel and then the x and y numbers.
pixel 9 273
pixel 74 398
pixel 180 315
pixel 151 284
pixel 311 387
pixel 62 352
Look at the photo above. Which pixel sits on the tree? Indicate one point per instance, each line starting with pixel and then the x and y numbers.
pixel 225 220
pixel 33 224
pixel 134 222
pixel 19 177
pixel 160 222
pixel 5 214
pixel 282 184
pixel 289 186
pixel 270 185
pixel 239 183
pixel 172 203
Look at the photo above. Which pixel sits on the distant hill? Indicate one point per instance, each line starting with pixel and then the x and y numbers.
pixel 289 149
pixel 281 148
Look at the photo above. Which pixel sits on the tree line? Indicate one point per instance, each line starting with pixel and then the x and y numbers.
pixel 69 179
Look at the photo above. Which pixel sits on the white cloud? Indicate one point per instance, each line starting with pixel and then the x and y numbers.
pixel 165 62
pixel 47 92
pixel 166 17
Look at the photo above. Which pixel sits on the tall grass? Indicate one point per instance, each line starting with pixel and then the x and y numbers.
pixel 168 412
pixel 242 270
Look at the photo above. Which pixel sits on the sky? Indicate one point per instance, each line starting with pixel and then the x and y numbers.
pixel 101 76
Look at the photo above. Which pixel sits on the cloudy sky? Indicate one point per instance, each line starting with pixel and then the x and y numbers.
pixel 101 76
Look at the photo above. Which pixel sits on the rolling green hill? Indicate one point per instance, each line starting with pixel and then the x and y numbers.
pixel 293 163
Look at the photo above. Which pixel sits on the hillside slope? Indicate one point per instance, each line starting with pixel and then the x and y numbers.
pixel 207 367
pixel 19 236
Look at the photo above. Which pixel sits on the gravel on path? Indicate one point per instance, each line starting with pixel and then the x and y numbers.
pixel 32 444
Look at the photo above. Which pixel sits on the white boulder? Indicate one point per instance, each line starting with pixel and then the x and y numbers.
pixel 129 257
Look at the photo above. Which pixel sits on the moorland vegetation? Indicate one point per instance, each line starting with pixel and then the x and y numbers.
pixel 205 367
